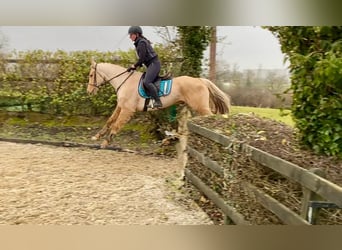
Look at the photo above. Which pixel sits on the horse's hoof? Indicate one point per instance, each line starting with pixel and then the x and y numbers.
pixel 94 138
pixel 104 144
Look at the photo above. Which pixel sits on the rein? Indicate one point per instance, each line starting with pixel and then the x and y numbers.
pixel 98 85
pixel 117 90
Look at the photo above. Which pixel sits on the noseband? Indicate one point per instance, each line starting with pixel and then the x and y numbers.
pixel 98 85
pixel 95 84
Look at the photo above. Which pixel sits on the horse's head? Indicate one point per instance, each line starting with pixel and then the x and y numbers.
pixel 92 85
pixel 95 79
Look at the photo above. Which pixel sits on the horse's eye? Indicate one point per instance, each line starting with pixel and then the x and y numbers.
pixel 91 75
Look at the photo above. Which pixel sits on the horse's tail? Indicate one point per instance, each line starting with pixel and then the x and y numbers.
pixel 220 102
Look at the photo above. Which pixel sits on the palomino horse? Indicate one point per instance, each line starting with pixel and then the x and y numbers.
pixel 200 94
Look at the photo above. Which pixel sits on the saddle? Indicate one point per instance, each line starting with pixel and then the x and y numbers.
pixel 163 84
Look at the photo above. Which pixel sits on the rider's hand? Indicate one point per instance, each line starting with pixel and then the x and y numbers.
pixel 131 68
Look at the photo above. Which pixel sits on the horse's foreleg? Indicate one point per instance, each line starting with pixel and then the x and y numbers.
pixel 121 120
pixel 108 124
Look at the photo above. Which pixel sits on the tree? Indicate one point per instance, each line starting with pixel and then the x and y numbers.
pixel 3 45
pixel 315 56
pixel 193 42
pixel 212 55
pixel 3 41
pixel 169 51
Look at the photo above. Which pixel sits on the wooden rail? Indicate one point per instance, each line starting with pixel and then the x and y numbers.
pixel 17 60
pixel 284 213
pixel 236 217
pixel 309 180
pixel 207 162
pixel 63 144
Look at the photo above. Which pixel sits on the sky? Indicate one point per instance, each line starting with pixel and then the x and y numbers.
pixel 246 47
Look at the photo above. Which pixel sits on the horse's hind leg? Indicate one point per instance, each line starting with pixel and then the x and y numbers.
pixel 200 106
pixel 199 102
pixel 123 117
pixel 204 111
pixel 108 124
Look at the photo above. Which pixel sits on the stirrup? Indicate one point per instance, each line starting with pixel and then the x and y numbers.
pixel 155 105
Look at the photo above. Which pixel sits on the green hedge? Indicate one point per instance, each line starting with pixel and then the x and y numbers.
pixel 315 55
pixel 56 82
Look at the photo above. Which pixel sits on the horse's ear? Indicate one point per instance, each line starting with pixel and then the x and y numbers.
pixel 92 61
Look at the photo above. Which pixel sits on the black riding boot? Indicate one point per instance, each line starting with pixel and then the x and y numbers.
pixel 154 93
pixel 157 103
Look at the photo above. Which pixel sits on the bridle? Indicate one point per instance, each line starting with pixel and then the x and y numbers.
pixel 98 85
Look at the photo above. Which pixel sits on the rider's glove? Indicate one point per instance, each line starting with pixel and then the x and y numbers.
pixel 130 69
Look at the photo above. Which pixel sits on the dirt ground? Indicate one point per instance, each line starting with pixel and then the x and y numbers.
pixel 48 185
pixel 56 185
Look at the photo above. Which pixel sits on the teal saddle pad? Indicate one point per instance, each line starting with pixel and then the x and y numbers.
pixel 164 88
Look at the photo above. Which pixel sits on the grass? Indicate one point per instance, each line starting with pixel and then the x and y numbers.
pixel 274 114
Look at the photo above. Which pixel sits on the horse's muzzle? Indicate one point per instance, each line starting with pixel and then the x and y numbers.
pixel 91 90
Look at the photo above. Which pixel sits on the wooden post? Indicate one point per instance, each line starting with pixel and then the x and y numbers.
pixel 228 220
pixel 308 213
pixel 183 132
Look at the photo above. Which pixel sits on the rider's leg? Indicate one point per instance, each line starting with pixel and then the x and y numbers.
pixel 151 75
pixel 154 93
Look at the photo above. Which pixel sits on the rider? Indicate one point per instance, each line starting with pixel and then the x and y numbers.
pixel 149 58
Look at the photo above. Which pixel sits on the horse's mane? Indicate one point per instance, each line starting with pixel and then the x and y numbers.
pixel 112 65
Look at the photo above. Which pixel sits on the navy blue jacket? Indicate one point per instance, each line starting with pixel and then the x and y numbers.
pixel 145 52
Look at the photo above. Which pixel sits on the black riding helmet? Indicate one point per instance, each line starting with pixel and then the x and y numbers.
pixel 135 30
